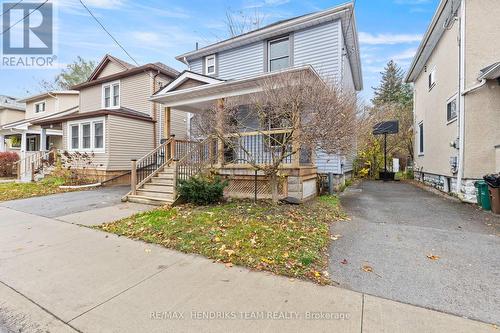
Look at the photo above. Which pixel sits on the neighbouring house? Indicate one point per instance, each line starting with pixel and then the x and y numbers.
pixel 116 122
pixel 324 44
pixel 10 111
pixel 456 77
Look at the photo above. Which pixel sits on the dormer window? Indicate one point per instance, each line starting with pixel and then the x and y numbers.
pixel 40 107
pixel 111 95
pixel 279 54
pixel 210 65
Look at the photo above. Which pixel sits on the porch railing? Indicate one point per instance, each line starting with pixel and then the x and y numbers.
pixel 201 156
pixel 259 147
pixel 34 162
pixel 150 164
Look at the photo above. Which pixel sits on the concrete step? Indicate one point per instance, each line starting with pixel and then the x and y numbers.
pixel 162 181
pixel 148 200
pixel 155 194
pixel 164 188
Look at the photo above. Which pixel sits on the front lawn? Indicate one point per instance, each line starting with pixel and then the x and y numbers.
pixel 12 191
pixel 284 239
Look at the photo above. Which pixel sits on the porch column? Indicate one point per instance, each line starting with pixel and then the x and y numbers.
pixel 2 143
pixel 23 142
pixel 296 144
pixel 166 124
pixel 219 129
pixel 43 139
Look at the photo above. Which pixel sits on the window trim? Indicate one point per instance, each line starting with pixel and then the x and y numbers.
pixel 215 64
pixel 79 124
pixel 274 40
pixel 38 103
pixel 421 142
pixel 451 120
pixel 111 85
pixel 432 72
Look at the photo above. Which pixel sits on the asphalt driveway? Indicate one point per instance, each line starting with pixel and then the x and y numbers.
pixel 383 250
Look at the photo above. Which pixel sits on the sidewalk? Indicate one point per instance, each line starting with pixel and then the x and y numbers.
pixel 59 277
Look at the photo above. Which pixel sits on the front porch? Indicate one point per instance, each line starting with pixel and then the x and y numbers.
pixel 254 147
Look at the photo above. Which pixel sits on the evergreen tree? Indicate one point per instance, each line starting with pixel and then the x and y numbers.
pixel 392 89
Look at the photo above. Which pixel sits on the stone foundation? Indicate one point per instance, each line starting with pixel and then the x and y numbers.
pixel 447 184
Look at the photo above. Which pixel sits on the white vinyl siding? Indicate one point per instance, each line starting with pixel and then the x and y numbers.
pixel 320 47
pixel 241 62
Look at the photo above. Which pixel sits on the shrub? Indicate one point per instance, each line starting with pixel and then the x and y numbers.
pixel 202 190
pixel 7 160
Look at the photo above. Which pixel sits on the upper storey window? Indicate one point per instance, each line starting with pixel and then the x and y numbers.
pixel 210 65
pixel 279 53
pixel 40 107
pixel 432 78
pixel 111 95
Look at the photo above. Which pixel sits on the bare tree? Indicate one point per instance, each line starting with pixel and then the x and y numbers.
pixel 240 22
pixel 294 113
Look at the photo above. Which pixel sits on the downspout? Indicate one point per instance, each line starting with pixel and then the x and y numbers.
pixel 461 125
pixel 475 87
pixel 155 126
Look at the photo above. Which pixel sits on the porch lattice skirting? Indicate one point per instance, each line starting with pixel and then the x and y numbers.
pixel 244 187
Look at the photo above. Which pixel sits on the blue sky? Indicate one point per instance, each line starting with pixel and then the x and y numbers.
pixel 158 30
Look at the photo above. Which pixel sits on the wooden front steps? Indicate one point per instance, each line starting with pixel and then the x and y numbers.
pixel 159 190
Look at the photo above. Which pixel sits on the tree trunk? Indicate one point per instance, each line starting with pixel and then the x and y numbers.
pixel 273 179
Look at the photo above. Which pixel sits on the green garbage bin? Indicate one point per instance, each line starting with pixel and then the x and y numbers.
pixel 483 195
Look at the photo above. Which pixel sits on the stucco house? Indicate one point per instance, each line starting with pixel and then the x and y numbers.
pixel 115 121
pixel 456 75
pixel 323 44
pixel 10 110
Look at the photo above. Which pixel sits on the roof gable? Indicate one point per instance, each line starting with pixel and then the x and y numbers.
pixel 109 65
pixel 188 79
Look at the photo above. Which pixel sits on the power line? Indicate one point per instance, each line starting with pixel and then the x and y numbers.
pixel 17 3
pixel 109 34
pixel 25 17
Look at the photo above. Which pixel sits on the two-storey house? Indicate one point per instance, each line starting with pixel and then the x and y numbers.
pixel 116 122
pixel 456 77
pixel 32 137
pixel 10 111
pixel 324 43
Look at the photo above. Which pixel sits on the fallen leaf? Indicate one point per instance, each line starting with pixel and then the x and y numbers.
pixel 229 264
pixel 367 268
pixel 344 262
pixel 147 250
pixel 335 237
pixel 432 257
pixel 230 252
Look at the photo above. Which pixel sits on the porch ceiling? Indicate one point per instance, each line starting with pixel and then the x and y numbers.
pixel 200 98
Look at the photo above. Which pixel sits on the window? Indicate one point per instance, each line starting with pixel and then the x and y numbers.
pixel 111 95
pixel 40 107
pixel 278 54
pixel 451 109
pixel 432 78
pixel 421 138
pixel 74 136
pixel 87 136
pixel 210 64
pixel 98 135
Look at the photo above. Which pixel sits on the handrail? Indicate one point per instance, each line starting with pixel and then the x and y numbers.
pixel 150 164
pixel 205 153
pixel 31 163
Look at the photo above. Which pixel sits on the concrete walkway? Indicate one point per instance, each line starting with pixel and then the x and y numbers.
pixel 61 277
pixel 395 226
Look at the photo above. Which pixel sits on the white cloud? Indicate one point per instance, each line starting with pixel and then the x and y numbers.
pixel 388 39
pixel 405 55
pixel 411 2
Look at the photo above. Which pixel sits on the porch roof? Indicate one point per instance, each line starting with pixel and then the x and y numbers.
pixel 121 112
pixel 491 72
pixel 25 123
pixel 198 98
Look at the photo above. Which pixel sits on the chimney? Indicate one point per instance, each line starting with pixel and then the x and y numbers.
pixel 196 46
